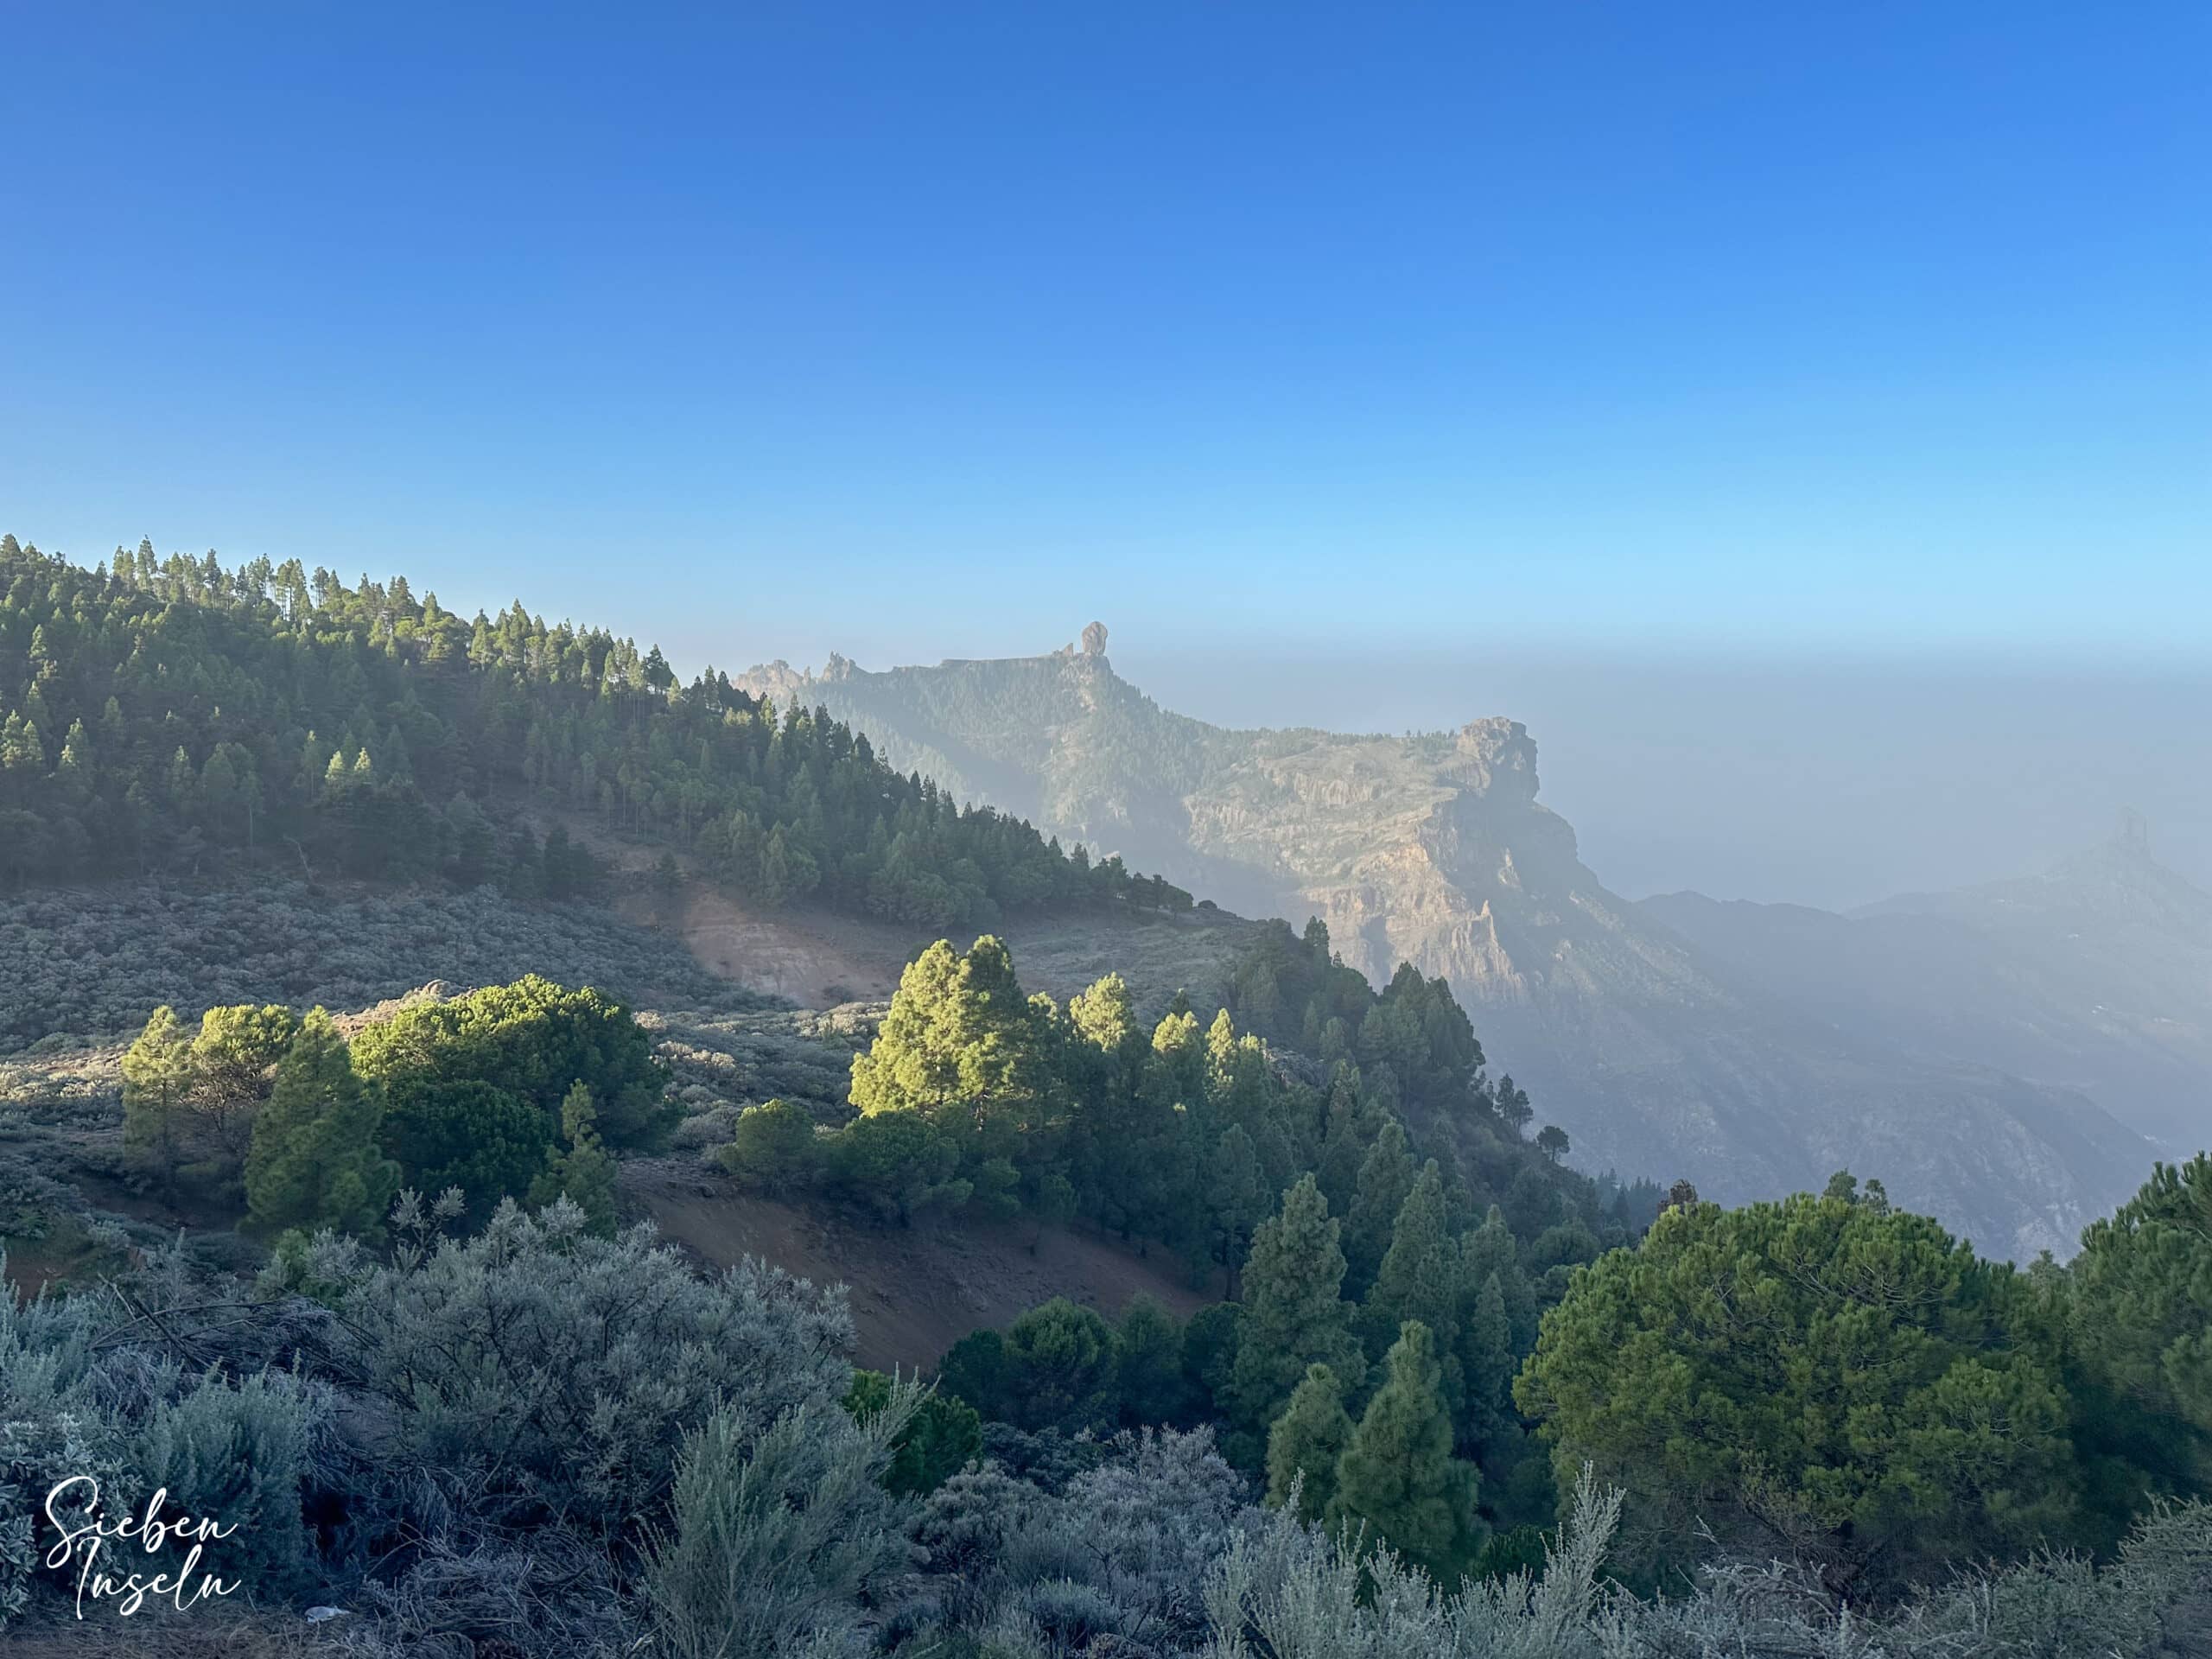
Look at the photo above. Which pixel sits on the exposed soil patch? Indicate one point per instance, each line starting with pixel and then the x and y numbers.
pixel 817 961
pixel 914 1292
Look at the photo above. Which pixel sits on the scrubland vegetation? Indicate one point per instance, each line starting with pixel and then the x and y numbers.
pixel 536 1440
pixel 1455 1397
pixel 1820 1426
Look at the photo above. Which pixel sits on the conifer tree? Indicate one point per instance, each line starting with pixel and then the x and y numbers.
pixel 1487 1363
pixel 1306 1442
pixel 233 1057
pixel 157 1079
pixel 583 1171
pixel 1148 1364
pixel 1418 1277
pixel 1385 1179
pixel 1491 1249
pixel 1060 1369
pixel 1233 1194
pixel 1855 1371
pixel 314 1161
pixel 2142 1310
pixel 1398 1478
pixel 1293 1315
pixel 1342 1151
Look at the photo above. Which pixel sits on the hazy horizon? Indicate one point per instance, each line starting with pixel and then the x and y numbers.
pixel 1833 782
pixel 1804 423
pixel 1833 779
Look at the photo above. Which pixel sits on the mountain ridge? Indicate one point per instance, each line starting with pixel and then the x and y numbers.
pixel 1660 1054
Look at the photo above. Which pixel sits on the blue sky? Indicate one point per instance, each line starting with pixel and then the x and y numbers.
pixel 935 330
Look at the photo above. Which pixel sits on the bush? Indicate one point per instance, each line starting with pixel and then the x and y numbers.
pixel 240 1454
pixel 1060 1370
pixel 773 1147
pixel 533 1040
pixel 538 1370
pixel 781 1530
pixel 941 1439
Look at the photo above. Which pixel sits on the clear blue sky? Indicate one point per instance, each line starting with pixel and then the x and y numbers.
pixel 931 329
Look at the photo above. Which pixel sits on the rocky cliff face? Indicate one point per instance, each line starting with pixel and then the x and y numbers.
pixel 1659 1055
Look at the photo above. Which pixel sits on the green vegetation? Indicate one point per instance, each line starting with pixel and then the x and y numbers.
pixel 1397 1483
pixel 463 1404
pixel 2141 1312
pixel 175 714
pixel 975 1094
pixel 1306 1443
pixel 1825 1377
pixel 940 1437
pixel 583 1446
pixel 532 1040
pixel 495 1094
pixel 314 1161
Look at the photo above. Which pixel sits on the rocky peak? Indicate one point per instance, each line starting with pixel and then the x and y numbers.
pixel 1495 756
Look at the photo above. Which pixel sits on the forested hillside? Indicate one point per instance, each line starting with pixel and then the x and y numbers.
pixel 1434 848
pixel 176 715
pixel 359 1280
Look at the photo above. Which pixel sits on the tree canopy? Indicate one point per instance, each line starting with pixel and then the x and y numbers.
pixel 175 714
pixel 1826 1376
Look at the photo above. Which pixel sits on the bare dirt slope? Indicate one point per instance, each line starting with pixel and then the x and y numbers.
pixel 914 1292
pixel 819 961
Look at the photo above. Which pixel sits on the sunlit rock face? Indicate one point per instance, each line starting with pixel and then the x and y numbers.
pixel 1663 1052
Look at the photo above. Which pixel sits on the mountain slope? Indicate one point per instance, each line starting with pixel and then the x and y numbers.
pixel 2094 975
pixel 1434 850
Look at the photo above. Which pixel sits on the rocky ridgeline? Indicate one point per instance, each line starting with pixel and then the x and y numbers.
pixel 1659 1057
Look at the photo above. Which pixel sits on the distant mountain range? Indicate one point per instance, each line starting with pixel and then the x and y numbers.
pixel 2010 1058
pixel 2096 976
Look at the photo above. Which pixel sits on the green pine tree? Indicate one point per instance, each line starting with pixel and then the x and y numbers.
pixel 583 1171
pixel 1294 1316
pixel 157 1082
pixel 314 1161
pixel 1148 1364
pixel 1487 1362
pixel 1306 1442
pixel 1418 1278
pixel 1385 1178
pixel 1398 1479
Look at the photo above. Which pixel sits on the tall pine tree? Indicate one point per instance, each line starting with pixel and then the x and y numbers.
pixel 314 1161
pixel 1398 1478
pixel 1294 1315
pixel 157 1078
pixel 1306 1442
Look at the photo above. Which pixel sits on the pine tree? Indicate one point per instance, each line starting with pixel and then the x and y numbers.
pixel 157 1080
pixel 1385 1179
pixel 1398 1478
pixel 775 886
pixel 1233 1194
pixel 1148 1364
pixel 2141 1308
pixel 583 1172
pixel 1306 1442
pixel 314 1161
pixel 1491 1249
pixel 1418 1279
pixel 1343 1151
pixel 1487 1362
pixel 1293 1315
